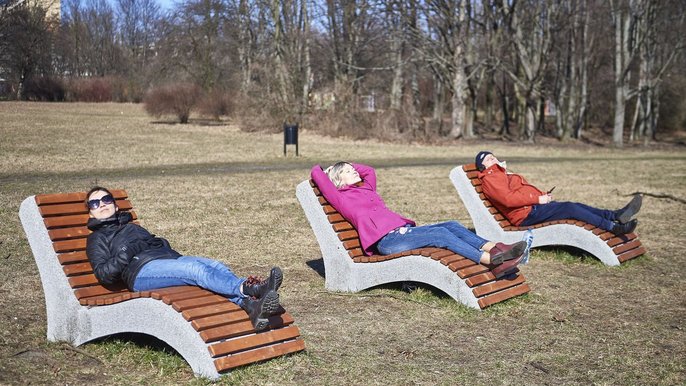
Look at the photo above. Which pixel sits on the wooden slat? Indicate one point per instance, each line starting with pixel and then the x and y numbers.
pixel 68 233
pixel 480 279
pixel 263 353
pixel 460 264
pixel 472 270
pixel 58 198
pixel 69 245
pixel 66 221
pixel 503 295
pixel 334 218
pixel 192 292
pixel 497 286
pixel 342 226
pixel 83 281
pixel 626 247
pixel 75 208
pixel 253 341
pixel 242 328
pixel 631 254
pixel 97 290
pixel 210 310
pixel 77 269
pixel 72 257
pixel 613 242
pixel 183 305
pixel 347 235
pixel 350 244
pixel 207 322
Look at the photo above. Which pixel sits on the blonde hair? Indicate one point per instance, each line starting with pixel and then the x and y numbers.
pixel 334 172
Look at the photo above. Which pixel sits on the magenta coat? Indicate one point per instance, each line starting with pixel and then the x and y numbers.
pixel 361 205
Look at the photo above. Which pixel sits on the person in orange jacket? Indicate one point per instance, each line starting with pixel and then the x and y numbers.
pixel 524 204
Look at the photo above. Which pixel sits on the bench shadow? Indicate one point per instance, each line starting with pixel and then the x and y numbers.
pixel 142 340
pixel 317 265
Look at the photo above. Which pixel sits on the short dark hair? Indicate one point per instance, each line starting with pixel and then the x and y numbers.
pixel 96 189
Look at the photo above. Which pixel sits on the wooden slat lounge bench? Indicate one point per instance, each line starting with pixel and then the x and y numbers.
pixel 348 269
pixel 211 333
pixel 491 224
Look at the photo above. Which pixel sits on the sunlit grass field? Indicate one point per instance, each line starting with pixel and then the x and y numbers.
pixel 213 190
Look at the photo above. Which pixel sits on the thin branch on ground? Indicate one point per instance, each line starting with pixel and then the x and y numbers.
pixel 656 195
pixel 78 350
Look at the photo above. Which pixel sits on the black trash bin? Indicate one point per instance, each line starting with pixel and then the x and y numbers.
pixel 290 137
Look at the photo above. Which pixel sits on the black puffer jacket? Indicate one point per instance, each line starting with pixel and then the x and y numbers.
pixel 118 249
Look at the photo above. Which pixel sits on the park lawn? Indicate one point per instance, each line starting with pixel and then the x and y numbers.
pixel 216 191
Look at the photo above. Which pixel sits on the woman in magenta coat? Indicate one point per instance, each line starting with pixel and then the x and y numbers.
pixel 351 190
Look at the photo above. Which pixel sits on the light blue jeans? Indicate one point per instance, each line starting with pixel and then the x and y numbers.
pixel 190 270
pixel 450 235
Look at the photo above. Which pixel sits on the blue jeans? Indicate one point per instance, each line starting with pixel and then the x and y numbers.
pixel 450 235
pixel 190 270
pixel 602 218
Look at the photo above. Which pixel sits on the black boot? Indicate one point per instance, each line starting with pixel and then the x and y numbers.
pixel 625 214
pixel 622 229
pixel 257 287
pixel 259 310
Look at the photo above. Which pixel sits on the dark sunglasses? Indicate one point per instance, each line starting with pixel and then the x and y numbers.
pixel 95 204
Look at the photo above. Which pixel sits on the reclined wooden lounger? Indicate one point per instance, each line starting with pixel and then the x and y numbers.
pixel 348 269
pixel 491 224
pixel 211 333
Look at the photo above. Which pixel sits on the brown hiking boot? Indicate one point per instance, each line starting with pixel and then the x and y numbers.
pixel 507 267
pixel 504 252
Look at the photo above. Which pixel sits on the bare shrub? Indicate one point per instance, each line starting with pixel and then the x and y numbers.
pixel 215 104
pixel 174 99
pixel 89 90
pixel 44 88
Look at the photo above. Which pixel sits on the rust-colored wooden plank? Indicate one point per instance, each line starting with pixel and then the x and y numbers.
pixel 350 244
pixel 264 353
pixel 460 264
pixel 480 279
pixel 68 233
pixel 57 198
pixel 438 255
pixel 631 254
pixel 322 200
pixel 72 257
pixel 497 286
pixel 83 281
pixel 447 260
pixel 355 252
pixel 236 329
pixel 66 221
pixel 328 209
pixel 503 295
pixel 253 341
pixel 207 322
pixel 471 270
pixel 77 269
pixel 626 247
pixel 334 218
pixel 98 290
pixel 348 235
pixel 361 259
pixel 210 310
pixel 342 226
pixel 75 208
pixel 472 174
pixel 108 299
pixel 192 292
pixel 469 167
pixel 69 245
pixel 157 294
pixel 475 182
pixel 187 304
pixel 621 239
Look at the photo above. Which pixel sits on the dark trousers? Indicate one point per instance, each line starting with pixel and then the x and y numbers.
pixel 602 218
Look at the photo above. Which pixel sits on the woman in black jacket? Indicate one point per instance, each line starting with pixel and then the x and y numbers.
pixel 121 251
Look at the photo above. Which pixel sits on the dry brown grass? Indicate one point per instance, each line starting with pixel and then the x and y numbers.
pixel 583 323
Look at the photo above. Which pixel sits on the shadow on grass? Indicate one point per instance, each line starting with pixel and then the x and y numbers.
pixel 317 265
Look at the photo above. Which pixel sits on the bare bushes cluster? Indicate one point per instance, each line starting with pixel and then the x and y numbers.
pixel 173 99
pixel 215 104
pixel 44 89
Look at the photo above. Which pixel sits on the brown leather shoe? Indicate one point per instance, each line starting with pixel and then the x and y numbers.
pixel 504 252
pixel 507 267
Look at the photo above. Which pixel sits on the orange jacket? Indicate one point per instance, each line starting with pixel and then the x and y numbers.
pixel 509 193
